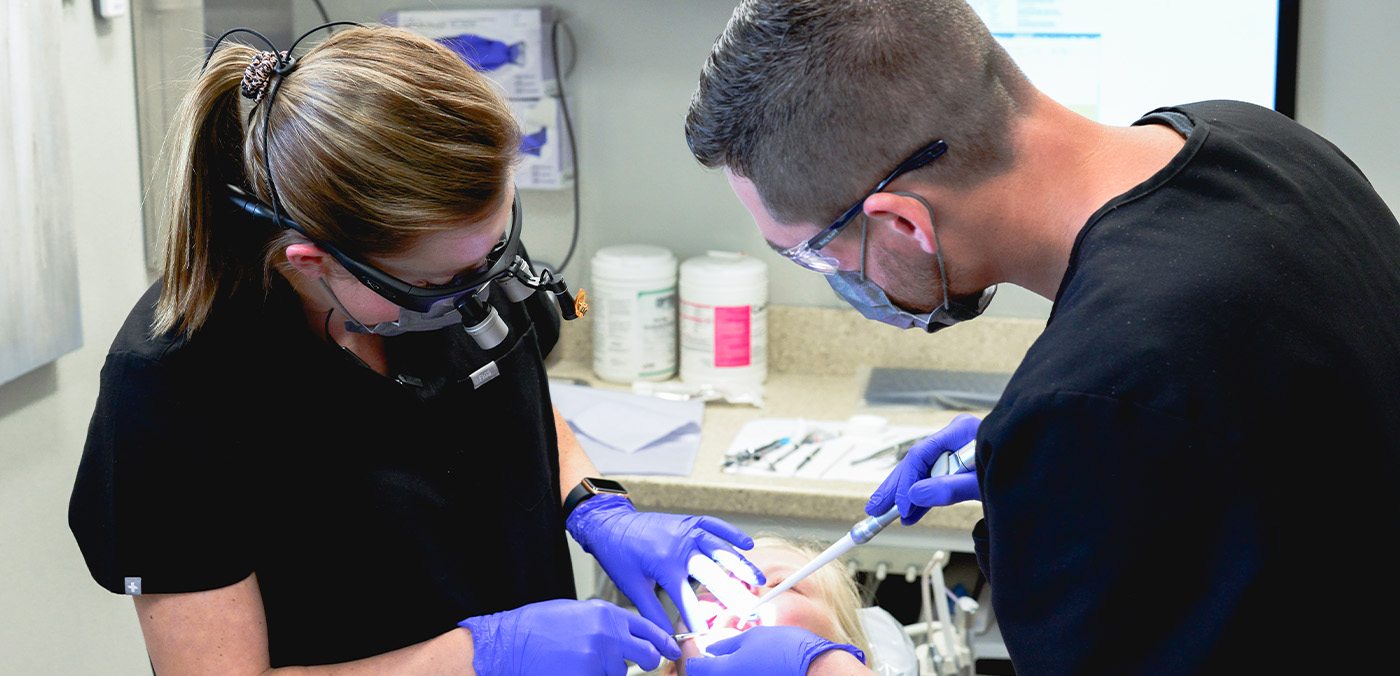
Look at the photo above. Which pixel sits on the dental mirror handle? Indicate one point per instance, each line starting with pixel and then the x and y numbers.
pixel 956 462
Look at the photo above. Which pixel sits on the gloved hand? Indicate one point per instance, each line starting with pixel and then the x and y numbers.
pixel 772 651
pixel 566 637
pixel 640 550
pixel 909 485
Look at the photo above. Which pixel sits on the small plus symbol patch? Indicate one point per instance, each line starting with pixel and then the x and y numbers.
pixel 133 586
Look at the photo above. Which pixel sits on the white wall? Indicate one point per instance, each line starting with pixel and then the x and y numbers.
pixel 634 80
pixel 1349 86
pixel 53 618
pixel 638 62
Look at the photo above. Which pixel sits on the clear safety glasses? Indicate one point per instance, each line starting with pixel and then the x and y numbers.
pixel 499 263
pixel 808 253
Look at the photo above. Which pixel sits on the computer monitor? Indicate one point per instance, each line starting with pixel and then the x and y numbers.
pixel 1113 60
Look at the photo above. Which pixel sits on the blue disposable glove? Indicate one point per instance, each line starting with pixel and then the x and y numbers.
pixel 640 550
pixel 565 636
pixel 771 651
pixel 909 486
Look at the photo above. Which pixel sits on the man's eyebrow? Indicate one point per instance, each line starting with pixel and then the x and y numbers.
pixel 774 246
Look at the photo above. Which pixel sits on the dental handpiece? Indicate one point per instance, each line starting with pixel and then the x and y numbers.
pixel 956 462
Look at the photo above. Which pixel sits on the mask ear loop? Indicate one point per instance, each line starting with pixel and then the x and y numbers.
pixel 937 245
pixel 864 238
pixel 335 301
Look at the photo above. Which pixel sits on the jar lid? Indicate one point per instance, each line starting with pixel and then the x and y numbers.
pixel 726 268
pixel 633 261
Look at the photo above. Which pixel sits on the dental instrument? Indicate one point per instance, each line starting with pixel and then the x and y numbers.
pixel 962 460
pixel 946 629
pixel 811 454
pixel 751 454
pixel 815 437
pixel 898 450
pixel 733 393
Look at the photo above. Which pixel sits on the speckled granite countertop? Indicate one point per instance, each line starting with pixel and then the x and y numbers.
pixel 819 359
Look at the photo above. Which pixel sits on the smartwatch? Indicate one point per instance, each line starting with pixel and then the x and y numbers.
pixel 589 487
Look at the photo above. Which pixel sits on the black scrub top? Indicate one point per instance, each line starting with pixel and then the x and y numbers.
pixel 376 512
pixel 1196 469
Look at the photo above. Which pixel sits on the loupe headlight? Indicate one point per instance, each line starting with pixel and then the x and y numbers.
pixel 480 319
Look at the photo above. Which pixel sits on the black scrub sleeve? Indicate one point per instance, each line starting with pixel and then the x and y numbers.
pixel 980 544
pixel 1119 537
pixel 159 504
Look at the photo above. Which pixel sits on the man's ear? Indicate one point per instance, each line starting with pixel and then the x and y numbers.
pixel 907 216
pixel 308 259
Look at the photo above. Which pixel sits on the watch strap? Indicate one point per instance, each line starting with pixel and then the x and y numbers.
pixel 583 491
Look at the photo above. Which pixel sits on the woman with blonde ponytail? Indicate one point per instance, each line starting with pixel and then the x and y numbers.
pixel 324 437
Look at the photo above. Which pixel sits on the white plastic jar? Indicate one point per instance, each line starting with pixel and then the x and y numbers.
pixel 724 319
pixel 633 310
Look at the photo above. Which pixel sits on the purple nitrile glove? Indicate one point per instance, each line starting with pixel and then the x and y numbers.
pixel 771 651
pixel 565 636
pixel 909 485
pixel 640 550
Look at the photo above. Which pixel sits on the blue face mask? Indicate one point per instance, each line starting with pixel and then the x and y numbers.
pixel 872 302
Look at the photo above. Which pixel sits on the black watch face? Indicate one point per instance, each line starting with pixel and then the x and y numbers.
pixel 605 485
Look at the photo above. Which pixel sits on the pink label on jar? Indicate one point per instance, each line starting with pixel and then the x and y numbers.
pixel 732 336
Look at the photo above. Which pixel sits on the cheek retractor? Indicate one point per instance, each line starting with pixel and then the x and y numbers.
pixel 728 590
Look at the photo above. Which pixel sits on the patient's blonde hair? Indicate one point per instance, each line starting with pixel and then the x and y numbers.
pixel 833 587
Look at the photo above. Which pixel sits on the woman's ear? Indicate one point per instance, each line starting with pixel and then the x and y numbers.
pixel 307 259
pixel 907 216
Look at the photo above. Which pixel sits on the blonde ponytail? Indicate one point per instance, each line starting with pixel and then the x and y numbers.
pixel 204 153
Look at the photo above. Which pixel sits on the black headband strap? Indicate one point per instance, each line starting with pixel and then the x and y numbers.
pixel 233 31
pixel 285 61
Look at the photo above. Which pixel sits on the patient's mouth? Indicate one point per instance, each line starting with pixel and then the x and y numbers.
pixel 728 620
pixel 718 617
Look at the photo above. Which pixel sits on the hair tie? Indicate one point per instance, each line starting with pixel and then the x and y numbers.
pixel 259 73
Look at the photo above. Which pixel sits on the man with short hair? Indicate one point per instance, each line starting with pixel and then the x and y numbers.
pixel 1223 355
